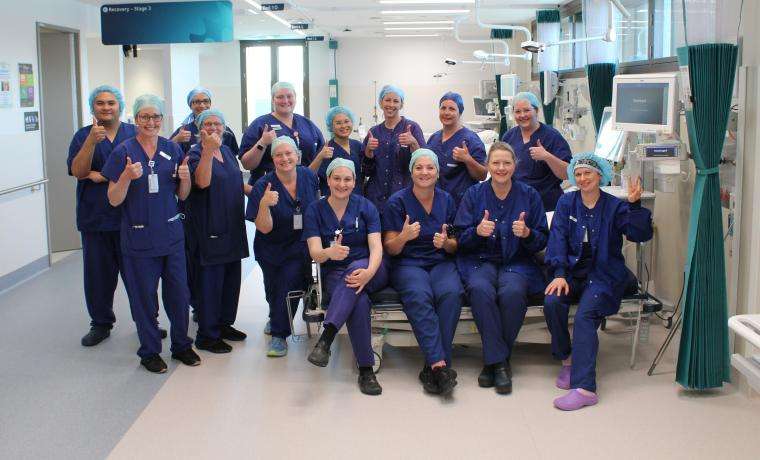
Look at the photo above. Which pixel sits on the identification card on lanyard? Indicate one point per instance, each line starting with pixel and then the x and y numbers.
pixel 298 217
pixel 152 178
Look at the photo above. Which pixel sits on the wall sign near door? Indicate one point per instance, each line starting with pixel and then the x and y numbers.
pixel 31 121
pixel 26 85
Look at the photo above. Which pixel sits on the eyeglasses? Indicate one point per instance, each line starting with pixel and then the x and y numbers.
pixel 211 124
pixel 201 101
pixel 147 118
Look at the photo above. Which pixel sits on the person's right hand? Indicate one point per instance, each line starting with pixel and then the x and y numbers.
pixel 211 142
pixel 486 227
pixel 267 136
pixel 133 171
pixel 337 251
pixel 372 143
pixel 182 136
pixel 97 132
pixel 439 239
pixel 271 197
pixel 326 153
pixel 558 285
pixel 410 231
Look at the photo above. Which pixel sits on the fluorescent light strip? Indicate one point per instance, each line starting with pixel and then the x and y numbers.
pixel 423 2
pixel 252 11
pixel 404 23
pixel 419 28
pixel 254 4
pixel 425 12
pixel 410 35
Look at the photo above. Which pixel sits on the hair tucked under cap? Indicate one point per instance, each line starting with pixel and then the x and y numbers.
pixel 590 161
pixel 419 153
pixel 283 85
pixel 335 111
pixel 147 100
pixel 208 113
pixel 106 89
pixel 456 98
pixel 284 140
pixel 526 96
pixel 196 91
pixel 341 163
pixel 391 89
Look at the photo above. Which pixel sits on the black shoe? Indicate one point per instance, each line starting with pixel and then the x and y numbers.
pixel 154 363
pixel 320 355
pixel 214 346
pixel 485 379
pixel 162 332
pixel 428 381
pixel 369 385
pixel 96 335
pixel 445 378
pixel 188 357
pixel 230 333
pixel 502 378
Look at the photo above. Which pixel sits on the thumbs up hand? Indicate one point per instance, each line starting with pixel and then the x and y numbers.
pixel 271 197
pixel 211 142
pixel 406 139
pixel 184 170
pixel 410 231
pixel 267 136
pixel 519 228
pixel 372 142
pixel 337 251
pixel 326 153
pixel 486 227
pixel 462 153
pixel 182 136
pixel 97 132
pixel 133 171
pixel 539 153
pixel 439 239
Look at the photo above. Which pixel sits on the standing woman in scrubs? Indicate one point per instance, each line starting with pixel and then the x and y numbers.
pixel 417 233
pixel 147 174
pixel 388 148
pixel 542 152
pixel 343 234
pixel 276 206
pixel 215 216
pixel 460 151
pixel 97 220
pixel 502 226
pixel 584 254
pixel 340 123
pixel 255 147
pixel 199 99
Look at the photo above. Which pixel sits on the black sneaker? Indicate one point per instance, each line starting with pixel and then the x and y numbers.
pixel 369 385
pixel 428 381
pixel 320 355
pixel 96 335
pixel 445 378
pixel 162 332
pixel 230 333
pixel 502 378
pixel 485 379
pixel 187 356
pixel 154 364
pixel 214 346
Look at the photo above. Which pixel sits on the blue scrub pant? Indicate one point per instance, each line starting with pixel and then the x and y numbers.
pixel 218 293
pixel 279 279
pixel 432 298
pixel 346 307
pixel 593 305
pixel 141 276
pixel 192 264
pixel 499 300
pixel 101 254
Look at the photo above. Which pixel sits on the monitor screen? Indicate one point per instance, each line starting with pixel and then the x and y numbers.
pixel 609 141
pixel 481 106
pixel 642 103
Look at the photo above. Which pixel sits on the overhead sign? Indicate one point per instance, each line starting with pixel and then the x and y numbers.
pixel 299 26
pixel 272 6
pixel 170 22
pixel 315 38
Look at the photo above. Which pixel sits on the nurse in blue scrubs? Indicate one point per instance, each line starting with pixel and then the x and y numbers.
pixel 418 235
pixel 147 174
pixel 542 153
pixel 277 204
pixel 460 151
pixel 199 99
pixel 255 146
pixel 343 234
pixel 216 218
pixel 340 123
pixel 585 258
pixel 388 148
pixel 502 226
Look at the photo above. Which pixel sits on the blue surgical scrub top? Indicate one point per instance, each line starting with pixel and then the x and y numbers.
pixel 354 155
pixel 309 140
pixel 388 170
pixel 216 214
pixel 537 174
pixel 284 241
pixel 604 226
pixel 94 212
pixel 420 251
pixel 503 248
pixel 454 177
pixel 150 222
pixel 359 220
pixel 228 138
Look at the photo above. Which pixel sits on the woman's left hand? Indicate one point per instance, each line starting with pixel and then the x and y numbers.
pixel 519 228
pixel 539 153
pixel 406 139
pixel 461 154
pixel 96 177
pixel 634 189
pixel 184 170
pixel 358 279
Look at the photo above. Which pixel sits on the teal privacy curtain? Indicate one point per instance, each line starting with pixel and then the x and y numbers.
pixel 703 357
pixel 600 88
pixel 548 31
pixel 501 34
pixel 601 56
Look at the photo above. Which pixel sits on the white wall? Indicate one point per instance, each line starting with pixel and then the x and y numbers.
pixel 220 73
pixel 145 74
pixel 182 62
pixel 105 66
pixel 320 72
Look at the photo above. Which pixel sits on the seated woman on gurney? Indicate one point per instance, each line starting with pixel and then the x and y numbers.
pixel 584 255
pixel 501 226
pixel 416 227
pixel 343 234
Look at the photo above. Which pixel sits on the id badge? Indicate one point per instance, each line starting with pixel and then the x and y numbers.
pixel 152 183
pixel 297 221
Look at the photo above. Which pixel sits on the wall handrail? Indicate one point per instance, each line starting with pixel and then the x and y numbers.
pixel 25 186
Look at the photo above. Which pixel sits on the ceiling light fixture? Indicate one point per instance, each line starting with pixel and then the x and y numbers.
pixel 254 4
pixel 404 23
pixel 410 35
pixel 252 11
pixel 424 11
pixel 419 28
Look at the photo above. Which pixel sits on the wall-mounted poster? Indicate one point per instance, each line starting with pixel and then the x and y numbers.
pixel 6 97
pixel 26 85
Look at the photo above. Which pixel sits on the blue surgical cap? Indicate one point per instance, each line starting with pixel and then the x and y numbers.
pixel 526 96
pixel 590 161
pixel 391 89
pixel 196 91
pixel 282 85
pixel 335 111
pixel 341 163
pixel 106 89
pixel 147 100
pixel 208 113
pixel 284 140
pixel 456 98
pixel 419 153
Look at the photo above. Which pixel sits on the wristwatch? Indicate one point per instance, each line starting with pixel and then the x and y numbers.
pixel 260 147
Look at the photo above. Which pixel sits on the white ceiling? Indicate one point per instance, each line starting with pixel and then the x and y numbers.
pixel 363 18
